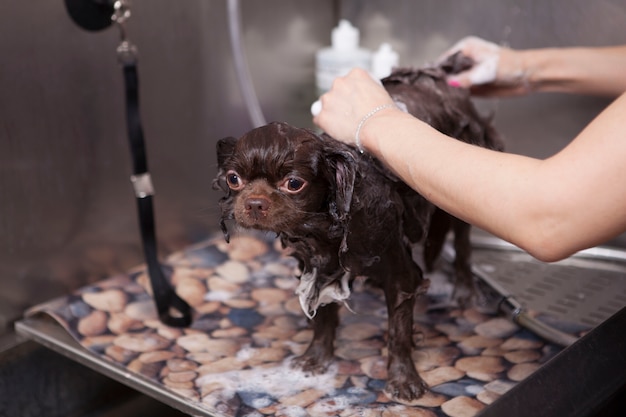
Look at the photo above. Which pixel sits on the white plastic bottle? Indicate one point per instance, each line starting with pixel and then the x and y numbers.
pixel 343 55
pixel 384 60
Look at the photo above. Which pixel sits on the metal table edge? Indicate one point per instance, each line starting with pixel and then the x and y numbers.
pixel 53 336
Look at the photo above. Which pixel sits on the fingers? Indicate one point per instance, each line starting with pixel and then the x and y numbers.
pixel 460 46
pixel 339 111
pixel 460 80
pixel 485 56
pixel 484 71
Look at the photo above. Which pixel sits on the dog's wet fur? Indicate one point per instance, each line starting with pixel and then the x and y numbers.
pixel 344 215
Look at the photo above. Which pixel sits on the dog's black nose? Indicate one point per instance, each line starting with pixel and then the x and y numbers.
pixel 257 206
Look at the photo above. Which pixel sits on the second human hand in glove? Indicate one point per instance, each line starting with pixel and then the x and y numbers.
pixel 495 71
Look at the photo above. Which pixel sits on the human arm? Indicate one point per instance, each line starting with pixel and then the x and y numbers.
pixel 550 208
pixel 502 71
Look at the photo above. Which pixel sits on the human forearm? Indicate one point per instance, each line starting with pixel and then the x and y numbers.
pixel 597 71
pixel 551 208
pixel 502 71
pixel 508 195
pixel 444 170
pixel 462 179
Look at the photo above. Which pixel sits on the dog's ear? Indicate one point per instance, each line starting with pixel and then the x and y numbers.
pixel 341 170
pixel 343 166
pixel 225 148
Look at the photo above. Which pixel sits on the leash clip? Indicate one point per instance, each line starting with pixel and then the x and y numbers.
pixel 126 51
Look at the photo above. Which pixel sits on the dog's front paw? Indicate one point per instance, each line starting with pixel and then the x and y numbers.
pixel 405 390
pixel 311 363
pixel 404 384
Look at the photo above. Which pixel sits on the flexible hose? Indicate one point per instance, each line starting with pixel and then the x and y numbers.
pixel 242 69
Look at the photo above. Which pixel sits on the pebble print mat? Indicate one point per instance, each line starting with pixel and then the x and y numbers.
pixel 234 360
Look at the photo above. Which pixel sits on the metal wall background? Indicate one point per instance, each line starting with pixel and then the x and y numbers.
pixel 67 213
pixel 537 125
pixel 67 210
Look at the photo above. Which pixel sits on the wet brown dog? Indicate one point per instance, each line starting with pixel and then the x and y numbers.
pixel 345 215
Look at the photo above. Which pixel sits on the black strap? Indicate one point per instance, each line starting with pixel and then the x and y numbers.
pixel 172 310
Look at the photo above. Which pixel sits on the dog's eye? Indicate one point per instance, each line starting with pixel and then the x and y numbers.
pixel 234 181
pixel 293 185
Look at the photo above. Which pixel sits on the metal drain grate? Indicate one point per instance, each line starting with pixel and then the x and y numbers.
pixel 587 288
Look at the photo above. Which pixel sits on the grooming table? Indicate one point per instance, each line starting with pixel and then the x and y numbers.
pixel 234 360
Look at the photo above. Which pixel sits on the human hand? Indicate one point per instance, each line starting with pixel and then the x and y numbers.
pixel 497 71
pixel 347 104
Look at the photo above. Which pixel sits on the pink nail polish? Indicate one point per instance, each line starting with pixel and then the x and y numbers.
pixel 454 83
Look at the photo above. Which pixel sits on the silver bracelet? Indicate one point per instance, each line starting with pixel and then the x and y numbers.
pixel 357 140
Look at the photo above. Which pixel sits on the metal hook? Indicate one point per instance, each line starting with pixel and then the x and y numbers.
pixel 121 11
pixel 126 51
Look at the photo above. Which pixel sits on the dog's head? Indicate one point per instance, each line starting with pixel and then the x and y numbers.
pixel 284 179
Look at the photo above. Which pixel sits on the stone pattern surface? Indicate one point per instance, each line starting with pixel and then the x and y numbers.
pixel 234 359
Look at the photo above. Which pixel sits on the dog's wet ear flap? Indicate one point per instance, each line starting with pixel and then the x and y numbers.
pixel 225 148
pixel 345 174
pixel 341 167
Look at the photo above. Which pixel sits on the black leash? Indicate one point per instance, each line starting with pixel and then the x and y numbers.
pixel 95 15
pixel 172 310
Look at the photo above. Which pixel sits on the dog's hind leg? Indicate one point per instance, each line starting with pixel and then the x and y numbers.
pixel 464 289
pixel 320 352
pixel 440 224
pixel 438 228
pixel 401 287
